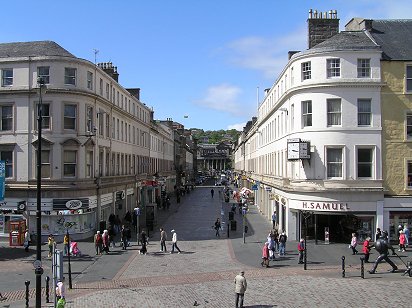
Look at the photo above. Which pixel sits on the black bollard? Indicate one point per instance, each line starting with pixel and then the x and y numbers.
pixel 47 289
pixel 228 228
pixel 362 268
pixel 27 283
pixel 343 266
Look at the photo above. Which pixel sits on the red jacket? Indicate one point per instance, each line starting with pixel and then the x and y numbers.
pixel 366 248
pixel 265 252
pixel 301 246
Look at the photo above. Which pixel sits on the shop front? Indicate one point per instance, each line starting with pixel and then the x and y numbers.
pixel 334 221
pixel 397 212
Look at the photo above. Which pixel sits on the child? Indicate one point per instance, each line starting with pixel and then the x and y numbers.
pixel 301 249
pixel 402 241
pixel 366 249
pixel 353 244
pixel 265 255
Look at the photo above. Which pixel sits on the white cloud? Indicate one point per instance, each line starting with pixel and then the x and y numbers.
pixel 265 54
pixel 238 127
pixel 222 97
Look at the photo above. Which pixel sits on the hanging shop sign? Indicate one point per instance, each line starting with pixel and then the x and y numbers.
pixel 255 187
pixel 2 179
pixel 70 204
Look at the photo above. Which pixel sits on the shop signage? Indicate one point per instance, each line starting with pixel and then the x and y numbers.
pixel 268 188
pixel 325 206
pixel 74 204
pixel 255 187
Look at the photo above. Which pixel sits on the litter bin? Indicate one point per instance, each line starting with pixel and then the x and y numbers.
pixel 233 225
pixel 231 215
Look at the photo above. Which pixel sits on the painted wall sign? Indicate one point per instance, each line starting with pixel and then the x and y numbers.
pixel 74 204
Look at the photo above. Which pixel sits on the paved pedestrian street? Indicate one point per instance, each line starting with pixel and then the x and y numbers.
pixel 202 275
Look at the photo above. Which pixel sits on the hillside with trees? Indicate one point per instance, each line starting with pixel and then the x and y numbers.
pixel 215 136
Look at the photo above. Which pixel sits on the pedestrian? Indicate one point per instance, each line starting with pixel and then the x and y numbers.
pixel 400 228
pixel 217 227
pixel 402 241
pixel 26 243
pixel 271 245
pixel 378 234
pixel 276 239
pixel 60 293
pixel 106 241
pixel 274 220
pixel 353 244
pixel 406 231
pixel 212 192
pixel 128 234
pixel 265 255
pixel 167 202
pixel 98 243
pixel 382 246
pixel 301 250
pixel 143 239
pixel 163 239
pixel 282 243
pixel 174 242
pixel 123 237
pixel 112 234
pixel 366 248
pixel 66 244
pixel 240 289
pixel 50 243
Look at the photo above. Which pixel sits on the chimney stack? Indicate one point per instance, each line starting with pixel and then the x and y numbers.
pixel 322 26
pixel 134 92
pixel 109 69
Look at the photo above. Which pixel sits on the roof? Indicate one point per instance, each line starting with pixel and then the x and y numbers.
pixel 347 40
pixel 33 49
pixel 394 37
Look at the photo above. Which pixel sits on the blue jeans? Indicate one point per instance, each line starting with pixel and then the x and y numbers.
pixel 282 247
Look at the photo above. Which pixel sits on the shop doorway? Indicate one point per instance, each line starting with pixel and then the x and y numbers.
pixel 341 227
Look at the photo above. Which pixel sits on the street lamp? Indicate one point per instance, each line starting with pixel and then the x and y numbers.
pixel 305 215
pixel 39 270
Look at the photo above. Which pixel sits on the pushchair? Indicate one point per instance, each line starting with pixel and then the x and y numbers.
pixel 74 250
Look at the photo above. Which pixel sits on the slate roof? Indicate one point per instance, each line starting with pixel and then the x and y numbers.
pixel 395 38
pixel 38 48
pixel 351 40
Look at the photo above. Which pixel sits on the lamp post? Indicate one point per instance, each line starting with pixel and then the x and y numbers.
pixel 306 216
pixel 68 259
pixel 39 270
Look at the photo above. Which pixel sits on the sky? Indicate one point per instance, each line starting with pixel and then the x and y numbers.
pixel 203 63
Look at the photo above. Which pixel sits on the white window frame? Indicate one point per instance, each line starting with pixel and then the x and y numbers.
pixel 7 77
pixel 364 68
pixel 330 164
pixel 334 114
pixel 70 76
pixel 70 117
pixel 306 114
pixel 371 163
pixel 365 113
pixel 73 164
pixel 45 164
pixel 44 73
pixel 333 68
pixel 6 117
pixel 306 70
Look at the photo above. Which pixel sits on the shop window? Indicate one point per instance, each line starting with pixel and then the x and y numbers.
pixel 7 156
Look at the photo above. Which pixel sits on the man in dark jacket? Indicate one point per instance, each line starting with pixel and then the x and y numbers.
pixel 382 246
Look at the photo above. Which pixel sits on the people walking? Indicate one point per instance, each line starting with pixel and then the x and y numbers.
pixel 282 243
pixel 50 243
pixel 274 220
pixel 406 231
pixel 60 293
pixel 402 241
pixel 301 250
pixel 163 238
pixel 106 241
pixel 265 255
pixel 26 243
pixel 382 246
pixel 66 244
pixel 353 244
pixel 271 245
pixel 212 192
pixel 366 249
pixel 143 239
pixel 98 243
pixel 123 237
pixel 217 227
pixel 112 234
pixel 240 289
pixel 174 242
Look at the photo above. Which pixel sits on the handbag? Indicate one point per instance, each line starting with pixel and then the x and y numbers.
pixel 350 246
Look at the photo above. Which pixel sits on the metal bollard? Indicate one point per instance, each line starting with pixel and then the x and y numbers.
pixel 362 268
pixel 47 289
pixel 27 283
pixel 343 266
pixel 228 228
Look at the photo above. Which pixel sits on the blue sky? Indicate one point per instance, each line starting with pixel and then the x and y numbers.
pixel 209 60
